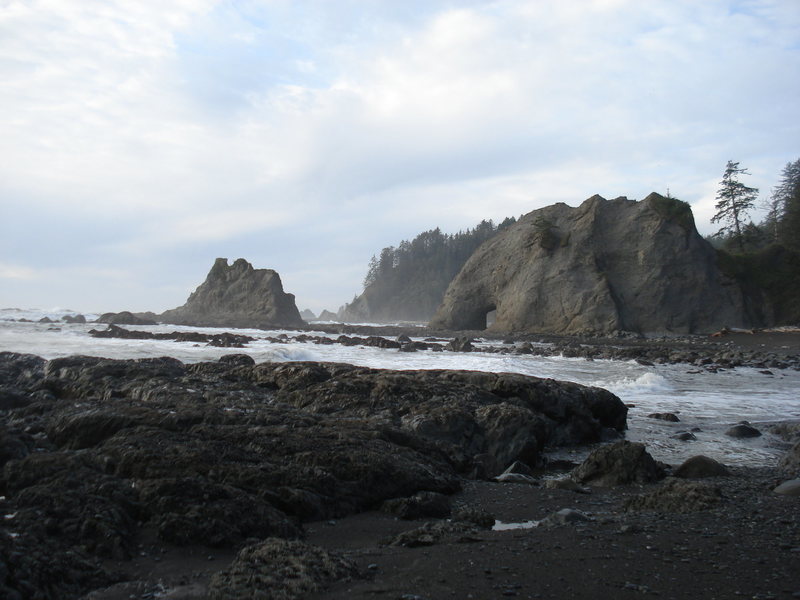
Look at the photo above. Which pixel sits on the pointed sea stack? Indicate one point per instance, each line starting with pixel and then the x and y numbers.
pixel 238 296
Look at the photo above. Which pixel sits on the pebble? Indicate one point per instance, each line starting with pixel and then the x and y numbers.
pixel 789 488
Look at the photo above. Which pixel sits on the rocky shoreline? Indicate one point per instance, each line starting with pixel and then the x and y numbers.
pixel 152 478
pixel 761 350
pixel 96 452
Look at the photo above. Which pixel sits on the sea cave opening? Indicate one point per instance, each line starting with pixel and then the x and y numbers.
pixel 490 318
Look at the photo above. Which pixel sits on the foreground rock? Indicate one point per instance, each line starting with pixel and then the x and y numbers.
pixel 238 296
pixel 279 570
pixel 96 452
pixel 617 464
pixel 607 265
pixel 699 467
pixel 676 495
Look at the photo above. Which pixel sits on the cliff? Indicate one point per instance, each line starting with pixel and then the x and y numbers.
pixel 237 296
pixel 607 265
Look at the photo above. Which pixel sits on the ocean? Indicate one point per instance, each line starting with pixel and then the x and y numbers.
pixel 706 403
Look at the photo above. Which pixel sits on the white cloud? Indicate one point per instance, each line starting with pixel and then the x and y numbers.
pixel 198 124
pixel 8 271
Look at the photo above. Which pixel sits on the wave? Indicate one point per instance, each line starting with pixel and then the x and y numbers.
pixel 647 382
pixel 288 354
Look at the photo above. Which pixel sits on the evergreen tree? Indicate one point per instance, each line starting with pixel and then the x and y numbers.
pixel 409 281
pixel 784 215
pixel 734 199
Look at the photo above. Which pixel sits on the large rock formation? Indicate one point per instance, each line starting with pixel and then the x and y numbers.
pixel 238 296
pixel 95 452
pixel 607 265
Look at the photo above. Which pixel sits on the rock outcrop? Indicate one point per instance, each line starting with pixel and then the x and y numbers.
pixel 238 296
pixel 607 265
pixel 224 453
pixel 125 318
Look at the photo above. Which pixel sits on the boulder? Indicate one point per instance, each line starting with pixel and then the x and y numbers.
pixel 420 505
pixel 677 495
pixel 622 462
pixel 124 318
pixel 474 515
pixel 459 344
pixel 238 295
pixel 790 461
pixel 743 430
pixel 699 467
pixel 605 266
pixel 789 488
pixel 670 417
pixel 279 570
pixel 74 319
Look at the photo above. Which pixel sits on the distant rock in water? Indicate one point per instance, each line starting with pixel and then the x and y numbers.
pixel 74 319
pixel 605 266
pixel 238 296
pixel 126 318
pixel 307 315
pixel 327 315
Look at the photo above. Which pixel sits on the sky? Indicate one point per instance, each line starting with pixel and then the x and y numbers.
pixel 140 140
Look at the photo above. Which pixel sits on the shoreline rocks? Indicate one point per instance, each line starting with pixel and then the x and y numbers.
pixel 698 352
pixel 217 453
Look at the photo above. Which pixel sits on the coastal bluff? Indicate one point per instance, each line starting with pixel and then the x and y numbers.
pixel 601 267
pixel 237 295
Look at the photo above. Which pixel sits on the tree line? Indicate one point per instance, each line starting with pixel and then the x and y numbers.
pixel 735 200
pixel 408 281
pixel 764 257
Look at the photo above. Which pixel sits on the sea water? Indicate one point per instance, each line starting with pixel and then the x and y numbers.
pixel 708 403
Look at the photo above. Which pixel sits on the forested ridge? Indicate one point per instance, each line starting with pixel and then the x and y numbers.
pixel 407 282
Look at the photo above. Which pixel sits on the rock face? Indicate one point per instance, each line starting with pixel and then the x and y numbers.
pixel 607 265
pixel 238 296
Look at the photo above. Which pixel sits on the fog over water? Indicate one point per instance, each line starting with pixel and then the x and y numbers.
pixel 711 402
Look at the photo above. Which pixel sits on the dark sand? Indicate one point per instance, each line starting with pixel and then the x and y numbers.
pixel 748 547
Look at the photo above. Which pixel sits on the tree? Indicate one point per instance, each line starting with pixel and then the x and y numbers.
pixel 734 199
pixel 784 207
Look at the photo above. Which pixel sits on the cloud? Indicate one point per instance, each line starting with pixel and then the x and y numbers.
pixel 310 134
pixel 16 272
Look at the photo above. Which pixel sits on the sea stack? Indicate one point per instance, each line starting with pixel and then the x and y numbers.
pixel 238 295
pixel 604 266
